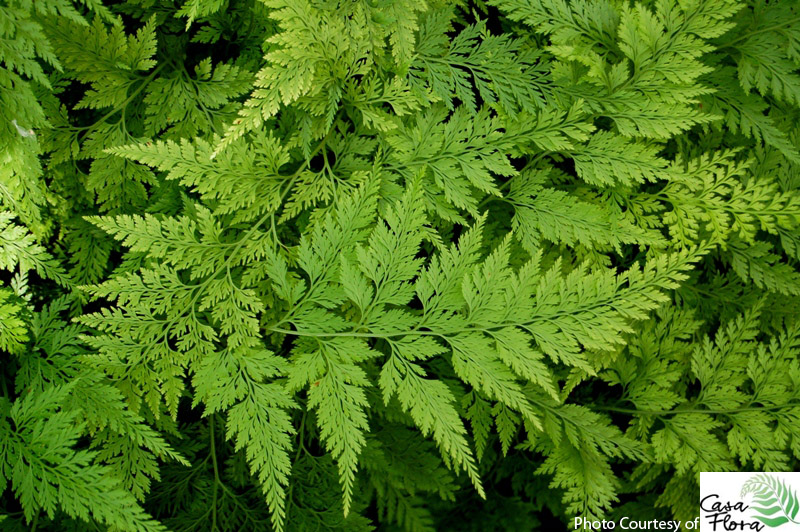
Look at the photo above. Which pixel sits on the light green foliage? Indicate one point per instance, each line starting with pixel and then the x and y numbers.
pixel 743 414
pixel 20 252
pixel 59 402
pixel 497 66
pixel 406 265
pixel 555 215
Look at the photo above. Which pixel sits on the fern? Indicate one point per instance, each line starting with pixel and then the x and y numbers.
pixel 293 265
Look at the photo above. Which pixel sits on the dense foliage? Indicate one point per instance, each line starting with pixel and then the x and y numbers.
pixel 393 264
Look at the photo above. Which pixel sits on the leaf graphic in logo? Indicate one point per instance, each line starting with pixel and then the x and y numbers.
pixel 773 499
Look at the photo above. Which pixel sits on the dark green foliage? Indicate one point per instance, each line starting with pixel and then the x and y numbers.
pixel 394 264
